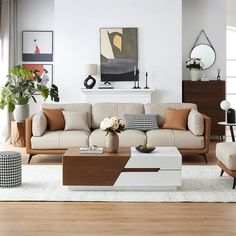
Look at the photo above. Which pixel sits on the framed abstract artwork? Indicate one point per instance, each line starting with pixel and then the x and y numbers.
pixel 118 54
pixel 37 45
pixel 45 71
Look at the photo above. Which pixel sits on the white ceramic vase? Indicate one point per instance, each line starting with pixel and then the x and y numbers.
pixel 194 74
pixel 21 112
pixel 112 142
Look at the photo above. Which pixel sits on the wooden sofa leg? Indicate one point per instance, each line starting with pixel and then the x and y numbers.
pixel 30 157
pixel 222 172
pixel 234 183
pixel 205 157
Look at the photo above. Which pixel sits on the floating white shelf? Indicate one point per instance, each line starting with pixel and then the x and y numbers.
pixel 118 95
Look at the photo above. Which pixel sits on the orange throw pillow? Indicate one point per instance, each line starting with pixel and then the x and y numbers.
pixel 55 119
pixel 176 119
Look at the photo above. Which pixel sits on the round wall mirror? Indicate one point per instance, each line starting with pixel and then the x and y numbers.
pixel 206 53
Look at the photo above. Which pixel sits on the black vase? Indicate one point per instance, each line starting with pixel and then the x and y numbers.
pixel 231 115
pixel 90 82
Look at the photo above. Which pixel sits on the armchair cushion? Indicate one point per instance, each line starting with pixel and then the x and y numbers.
pixel 39 124
pixel 196 122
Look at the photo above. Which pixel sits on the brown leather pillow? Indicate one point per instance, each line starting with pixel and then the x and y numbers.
pixel 176 119
pixel 55 119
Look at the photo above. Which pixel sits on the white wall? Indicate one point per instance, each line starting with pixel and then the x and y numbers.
pixel 33 15
pixel 209 15
pixel 159 24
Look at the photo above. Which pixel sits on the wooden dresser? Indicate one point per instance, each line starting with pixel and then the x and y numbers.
pixel 207 95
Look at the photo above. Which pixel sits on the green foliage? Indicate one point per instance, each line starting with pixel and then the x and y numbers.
pixel 22 85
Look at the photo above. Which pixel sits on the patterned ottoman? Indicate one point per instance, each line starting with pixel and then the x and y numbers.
pixel 10 169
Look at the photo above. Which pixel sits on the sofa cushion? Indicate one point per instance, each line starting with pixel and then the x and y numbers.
pixel 60 140
pixel 76 120
pixel 78 107
pixel 55 119
pixel 39 124
pixel 141 122
pixel 128 138
pixel 226 153
pixel 160 109
pixel 176 119
pixel 69 139
pixel 160 137
pixel 187 140
pixel 196 122
pixel 103 110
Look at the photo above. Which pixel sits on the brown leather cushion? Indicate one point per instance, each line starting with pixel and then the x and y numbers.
pixel 176 119
pixel 55 119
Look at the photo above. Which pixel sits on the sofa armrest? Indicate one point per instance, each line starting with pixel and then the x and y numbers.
pixel 28 133
pixel 207 131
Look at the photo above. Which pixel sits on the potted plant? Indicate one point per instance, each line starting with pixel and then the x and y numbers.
pixel 112 126
pixel 194 65
pixel 20 89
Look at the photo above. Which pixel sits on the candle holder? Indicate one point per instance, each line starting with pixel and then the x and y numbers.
pixel 146 75
pixel 137 78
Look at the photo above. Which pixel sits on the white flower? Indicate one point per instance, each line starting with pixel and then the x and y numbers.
pixel 197 62
pixel 191 61
pixel 106 123
pixel 122 122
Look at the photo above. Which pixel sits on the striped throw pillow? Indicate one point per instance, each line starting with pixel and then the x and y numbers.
pixel 141 122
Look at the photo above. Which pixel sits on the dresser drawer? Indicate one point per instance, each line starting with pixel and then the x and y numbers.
pixel 149 179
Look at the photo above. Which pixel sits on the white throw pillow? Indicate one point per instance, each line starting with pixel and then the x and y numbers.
pixel 196 122
pixel 76 120
pixel 39 124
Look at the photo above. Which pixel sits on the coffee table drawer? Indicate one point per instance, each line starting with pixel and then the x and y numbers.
pixel 169 163
pixel 151 179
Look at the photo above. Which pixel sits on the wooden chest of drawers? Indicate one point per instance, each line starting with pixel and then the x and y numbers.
pixel 207 95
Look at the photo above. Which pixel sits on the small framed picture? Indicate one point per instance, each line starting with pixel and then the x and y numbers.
pixel 45 71
pixel 37 45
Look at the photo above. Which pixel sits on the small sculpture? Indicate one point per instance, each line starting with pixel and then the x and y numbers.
pixel 146 87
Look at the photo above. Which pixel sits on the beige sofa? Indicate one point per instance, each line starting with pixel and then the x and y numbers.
pixel 57 142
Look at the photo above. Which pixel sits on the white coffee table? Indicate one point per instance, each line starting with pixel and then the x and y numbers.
pixel 169 176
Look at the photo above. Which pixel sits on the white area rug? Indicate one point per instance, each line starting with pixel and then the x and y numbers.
pixel 44 183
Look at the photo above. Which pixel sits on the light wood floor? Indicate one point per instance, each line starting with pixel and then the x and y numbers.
pixel 75 218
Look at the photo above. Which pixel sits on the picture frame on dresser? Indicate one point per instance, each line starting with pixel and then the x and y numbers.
pixel 37 46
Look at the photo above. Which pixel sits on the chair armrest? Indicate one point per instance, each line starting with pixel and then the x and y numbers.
pixel 207 131
pixel 28 132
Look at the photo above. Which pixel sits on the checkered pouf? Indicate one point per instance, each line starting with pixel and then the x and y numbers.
pixel 10 169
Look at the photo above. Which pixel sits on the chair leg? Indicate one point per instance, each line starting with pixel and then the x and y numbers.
pixel 222 172
pixel 234 183
pixel 205 158
pixel 30 157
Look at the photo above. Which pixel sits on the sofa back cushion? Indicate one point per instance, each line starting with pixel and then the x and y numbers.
pixel 160 109
pixel 76 107
pixel 103 110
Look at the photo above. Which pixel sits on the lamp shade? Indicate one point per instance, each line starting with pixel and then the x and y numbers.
pixel 90 69
pixel 225 105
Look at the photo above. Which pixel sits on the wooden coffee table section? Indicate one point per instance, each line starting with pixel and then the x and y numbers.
pixel 93 169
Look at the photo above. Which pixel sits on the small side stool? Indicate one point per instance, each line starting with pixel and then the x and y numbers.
pixel 226 159
pixel 10 169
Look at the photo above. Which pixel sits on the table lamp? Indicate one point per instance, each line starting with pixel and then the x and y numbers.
pixel 90 69
pixel 225 105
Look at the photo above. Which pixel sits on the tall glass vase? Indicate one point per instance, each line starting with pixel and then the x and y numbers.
pixel 112 142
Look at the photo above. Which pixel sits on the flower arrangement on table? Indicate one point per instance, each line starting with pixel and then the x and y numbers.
pixel 112 125
pixel 194 63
